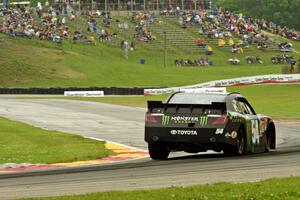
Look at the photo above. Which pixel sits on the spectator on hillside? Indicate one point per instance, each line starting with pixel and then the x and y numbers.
pixel 285 47
pixel 63 21
pixel 230 42
pixel 47 4
pixel 39 9
pixel 208 50
pixel 234 61
pixel 90 40
pixel 132 46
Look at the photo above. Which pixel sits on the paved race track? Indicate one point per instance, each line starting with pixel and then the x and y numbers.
pixel 125 125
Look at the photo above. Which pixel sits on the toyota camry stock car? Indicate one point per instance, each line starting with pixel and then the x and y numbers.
pixel 197 121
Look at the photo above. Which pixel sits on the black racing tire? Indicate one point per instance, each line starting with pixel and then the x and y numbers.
pixel 158 151
pixel 239 148
pixel 268 140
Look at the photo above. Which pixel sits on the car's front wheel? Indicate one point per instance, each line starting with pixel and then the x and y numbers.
pixel 268 139
pixel 158 151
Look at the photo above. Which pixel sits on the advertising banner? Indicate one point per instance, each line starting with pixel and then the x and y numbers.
pixel 251 80
pixel 84 93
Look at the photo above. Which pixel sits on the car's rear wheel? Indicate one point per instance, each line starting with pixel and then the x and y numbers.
pixel 239 147
pixel 158 151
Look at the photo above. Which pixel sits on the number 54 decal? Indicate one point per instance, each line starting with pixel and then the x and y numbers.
pixel 219 131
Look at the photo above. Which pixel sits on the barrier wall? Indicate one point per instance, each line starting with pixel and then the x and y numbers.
pixel 252 80
pixel 58 91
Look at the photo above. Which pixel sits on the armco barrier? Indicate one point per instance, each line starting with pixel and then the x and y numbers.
pixel 58 91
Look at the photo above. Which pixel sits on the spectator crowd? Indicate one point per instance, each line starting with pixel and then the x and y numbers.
pixel 21 22
pixel 51 22
pixel 225 25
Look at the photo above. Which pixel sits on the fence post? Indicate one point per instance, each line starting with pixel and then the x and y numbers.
pixel 182 4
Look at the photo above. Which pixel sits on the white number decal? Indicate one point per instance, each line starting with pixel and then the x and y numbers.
pixel 219 131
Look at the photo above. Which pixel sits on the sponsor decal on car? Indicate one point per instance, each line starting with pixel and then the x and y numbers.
pixel 219 131
pixel 233 134
pixel 165 120
pixel 203 121
pixel 183 132
pixel 184 120
pixel 234 118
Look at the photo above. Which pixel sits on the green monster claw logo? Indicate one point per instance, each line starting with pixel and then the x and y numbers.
pixel 230 116
pixel 203 120
pixel 165 120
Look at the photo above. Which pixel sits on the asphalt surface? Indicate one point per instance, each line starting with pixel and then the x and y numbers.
pixel 125 125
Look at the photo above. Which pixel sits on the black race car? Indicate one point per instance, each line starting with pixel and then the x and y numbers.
pixel 197 122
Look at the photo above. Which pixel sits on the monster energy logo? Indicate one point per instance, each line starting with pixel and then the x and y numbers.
pixel 165 120
pixel 203 120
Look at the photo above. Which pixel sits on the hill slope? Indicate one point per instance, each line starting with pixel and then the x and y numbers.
pixel 34 63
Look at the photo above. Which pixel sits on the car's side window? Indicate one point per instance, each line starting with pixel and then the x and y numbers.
pixel 241 107
pixel 236 106
pixel 249 109
pixel 245 107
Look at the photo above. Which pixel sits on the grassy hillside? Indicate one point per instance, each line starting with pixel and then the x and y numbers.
pixel 38 63
pixel 34 63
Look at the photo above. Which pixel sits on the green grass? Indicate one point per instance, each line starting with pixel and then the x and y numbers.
pixel 278 101
pixel 273 189
pixel 22 143
pixel 35 63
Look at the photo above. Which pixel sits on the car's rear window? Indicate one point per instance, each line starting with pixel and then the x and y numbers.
pixel 196 98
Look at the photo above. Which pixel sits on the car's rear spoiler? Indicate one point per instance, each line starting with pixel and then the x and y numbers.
pixel 163 106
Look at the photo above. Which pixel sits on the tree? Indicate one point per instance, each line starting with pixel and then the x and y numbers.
pixel 283 12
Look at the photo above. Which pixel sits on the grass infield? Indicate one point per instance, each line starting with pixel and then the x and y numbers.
pixel 273 189
pixel 22 143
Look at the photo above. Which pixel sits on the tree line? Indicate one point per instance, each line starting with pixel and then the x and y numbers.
pixel 282 12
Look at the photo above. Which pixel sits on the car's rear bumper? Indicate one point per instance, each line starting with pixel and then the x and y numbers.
pixel 211 138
